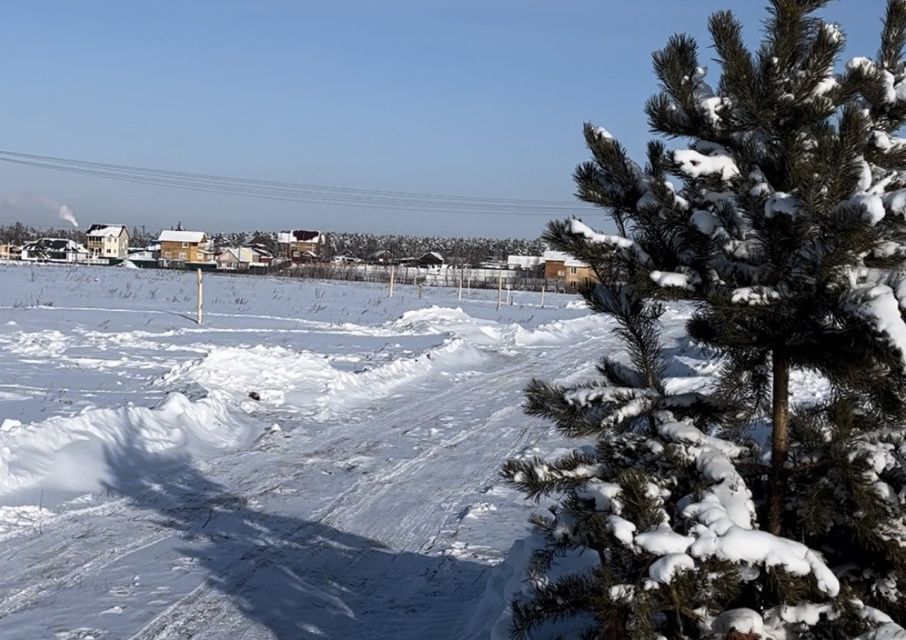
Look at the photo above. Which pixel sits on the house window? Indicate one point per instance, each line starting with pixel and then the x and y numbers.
pixel 185 245
pixel 168 254
pixel 182 255
pixel 572 269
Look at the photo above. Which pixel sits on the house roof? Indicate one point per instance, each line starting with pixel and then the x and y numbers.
pixel 431 256
pixel 54 244
pixel 171 235
pixel 565 258
pixel 524 262
pixel 298 235
pixel 105 230
pixel 242 254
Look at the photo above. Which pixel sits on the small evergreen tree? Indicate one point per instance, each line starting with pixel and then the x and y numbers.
pixel 734 512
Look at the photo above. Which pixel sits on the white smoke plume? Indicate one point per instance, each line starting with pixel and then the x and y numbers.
pixel 34 201
pixel 66 213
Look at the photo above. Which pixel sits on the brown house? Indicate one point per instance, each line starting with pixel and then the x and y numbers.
pixel 177 248
pixel 300 245
pixel 564 267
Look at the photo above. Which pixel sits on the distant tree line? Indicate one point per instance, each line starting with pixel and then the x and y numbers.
pixel 459 251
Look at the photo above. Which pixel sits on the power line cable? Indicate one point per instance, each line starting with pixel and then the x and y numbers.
pixel 296 192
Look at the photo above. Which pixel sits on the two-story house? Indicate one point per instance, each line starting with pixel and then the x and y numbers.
pixel 300 245
pixel 178 248
pixel 108 242
pixel 564 267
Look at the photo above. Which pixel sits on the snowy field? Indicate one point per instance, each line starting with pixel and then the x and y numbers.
pixel 143 494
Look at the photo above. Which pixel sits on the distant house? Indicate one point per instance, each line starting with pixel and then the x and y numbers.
pixel 430 259
pixel 525 263
pixel 238 259
pixel 179 248
pixel 109 242
pixel 300 245
pixel 265 255
pixel 10 252
pixel 143 257
pixel 381 256
pixel 54 250
pixel 345 259
pixel 559 265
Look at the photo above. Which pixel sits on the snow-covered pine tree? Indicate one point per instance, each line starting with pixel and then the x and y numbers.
pixel 738 512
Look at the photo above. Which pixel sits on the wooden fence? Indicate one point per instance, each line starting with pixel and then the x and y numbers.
pixel 514 279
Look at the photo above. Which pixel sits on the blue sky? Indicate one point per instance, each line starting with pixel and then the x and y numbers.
pixel 470 97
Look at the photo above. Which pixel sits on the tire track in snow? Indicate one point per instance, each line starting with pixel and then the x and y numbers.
pixel 374 488
pixel 194 610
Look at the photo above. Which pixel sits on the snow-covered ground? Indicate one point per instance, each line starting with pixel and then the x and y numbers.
pixel 144 494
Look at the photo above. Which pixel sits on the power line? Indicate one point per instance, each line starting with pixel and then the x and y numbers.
pixel 297 192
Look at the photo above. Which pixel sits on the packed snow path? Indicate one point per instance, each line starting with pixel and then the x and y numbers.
pixel 374 510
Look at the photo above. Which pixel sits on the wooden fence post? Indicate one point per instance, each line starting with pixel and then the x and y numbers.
pixel 392 278
pixel 542 296
pixel 499 287
pixel 200 309
pixel 460 284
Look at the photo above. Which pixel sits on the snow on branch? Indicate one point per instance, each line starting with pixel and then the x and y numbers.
pixel 877 306
pixel 755 296
pixel 579 228
pixel 668 279
pixel 717 162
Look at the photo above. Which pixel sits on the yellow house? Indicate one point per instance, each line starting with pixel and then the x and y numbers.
pixel 177 248
pixel 10 252
pixel 107 241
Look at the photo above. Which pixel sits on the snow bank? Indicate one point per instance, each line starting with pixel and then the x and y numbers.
pixel 68 452
pixel 309 383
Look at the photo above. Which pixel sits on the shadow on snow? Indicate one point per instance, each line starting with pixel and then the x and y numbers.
pixel 294 577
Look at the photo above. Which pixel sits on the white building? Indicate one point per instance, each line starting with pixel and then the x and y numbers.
pixel 238 259
pixel 54 250
pixel 529 263
pixel 108 242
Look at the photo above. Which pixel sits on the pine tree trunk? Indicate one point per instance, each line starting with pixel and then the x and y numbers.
pixel 780 444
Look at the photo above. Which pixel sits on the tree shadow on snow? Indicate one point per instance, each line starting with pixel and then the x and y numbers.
pixel 294 577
